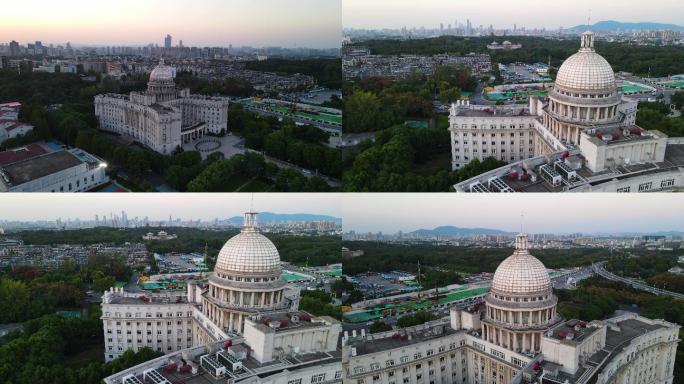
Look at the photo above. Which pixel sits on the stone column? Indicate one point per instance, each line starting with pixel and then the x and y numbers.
pixel 230 322
pixel 515 341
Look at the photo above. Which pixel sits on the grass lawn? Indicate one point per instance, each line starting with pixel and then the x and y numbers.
pixel 441 162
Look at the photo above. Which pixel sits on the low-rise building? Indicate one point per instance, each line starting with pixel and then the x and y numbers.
pixel 46 167
pixel 10 126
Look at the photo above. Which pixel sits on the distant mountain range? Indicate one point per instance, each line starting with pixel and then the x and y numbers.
pixel 270 217
pixel 658 233
pixel 614 26
pixel 448 230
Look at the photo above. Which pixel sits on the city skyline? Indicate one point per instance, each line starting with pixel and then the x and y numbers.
pixel 284 23
pixel 189 206
pixel 396 14
pixel 542 213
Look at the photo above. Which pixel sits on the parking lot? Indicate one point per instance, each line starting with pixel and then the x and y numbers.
pixel 523 73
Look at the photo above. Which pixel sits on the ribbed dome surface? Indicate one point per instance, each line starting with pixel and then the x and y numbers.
pixel 161 72
pixel 521 273
pixel 249 253
pixel 586 69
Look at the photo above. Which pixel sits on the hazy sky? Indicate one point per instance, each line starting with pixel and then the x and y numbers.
pixel 44 206
pixel 304 23
pixel 543 213
pixel 378 14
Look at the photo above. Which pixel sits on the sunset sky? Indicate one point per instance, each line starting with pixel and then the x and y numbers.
pixel 377 14
pixel 50 206
pixel 543 212
pixel 287 23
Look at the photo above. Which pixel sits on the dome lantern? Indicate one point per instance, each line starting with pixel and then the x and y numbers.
pixel 587 41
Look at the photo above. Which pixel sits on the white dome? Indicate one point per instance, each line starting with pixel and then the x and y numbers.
pixel 521 274
pixel 586 69
pixel 249 253
pixel 162 72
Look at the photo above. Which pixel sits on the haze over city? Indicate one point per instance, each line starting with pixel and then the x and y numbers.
pixel 30 207
pixel 380 14
pixel 542 213
pixel 286 23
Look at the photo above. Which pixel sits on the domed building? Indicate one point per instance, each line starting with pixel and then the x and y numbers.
pixel 515 336
pixel 162 118
pixel 520 305
pixel 581 137
pixel 242 324
pixel 246 279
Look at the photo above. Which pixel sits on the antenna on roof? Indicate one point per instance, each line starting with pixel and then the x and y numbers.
pixel 251 203
pixel 522 218
pixel 589 18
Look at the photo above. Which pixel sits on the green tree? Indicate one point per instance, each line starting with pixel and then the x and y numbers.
pixel 361 112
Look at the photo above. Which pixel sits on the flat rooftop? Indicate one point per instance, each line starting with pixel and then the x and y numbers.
pixel 36 167
pixel 397 340
pixel 22 153
pixel 144 299
pixel 491 112
pixel 622 134
pixel 252 368
pixel 286 322
pixel 674 159
pixel 674 153
pixel 568 328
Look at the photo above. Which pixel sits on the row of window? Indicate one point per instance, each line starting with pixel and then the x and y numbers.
pixel 493 126
pixel 157 314
pixel 78 184
pixel 149 332
pixel 247 279
pixel 518 299
pixel 484 150
pixel 584 95
pixel 317 378
pixel 643 187
pixel 503 142
pixel 502 158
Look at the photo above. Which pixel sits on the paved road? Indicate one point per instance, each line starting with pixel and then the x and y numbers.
pixel 284 164
pixel 598 268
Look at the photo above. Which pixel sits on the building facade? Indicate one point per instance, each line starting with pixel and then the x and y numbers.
pixel 515 337
pixel 135 320
pixel 582 138
pixel 162 118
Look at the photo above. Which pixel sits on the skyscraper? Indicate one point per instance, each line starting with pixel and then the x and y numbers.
pixel 14 48
pixel 167 41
